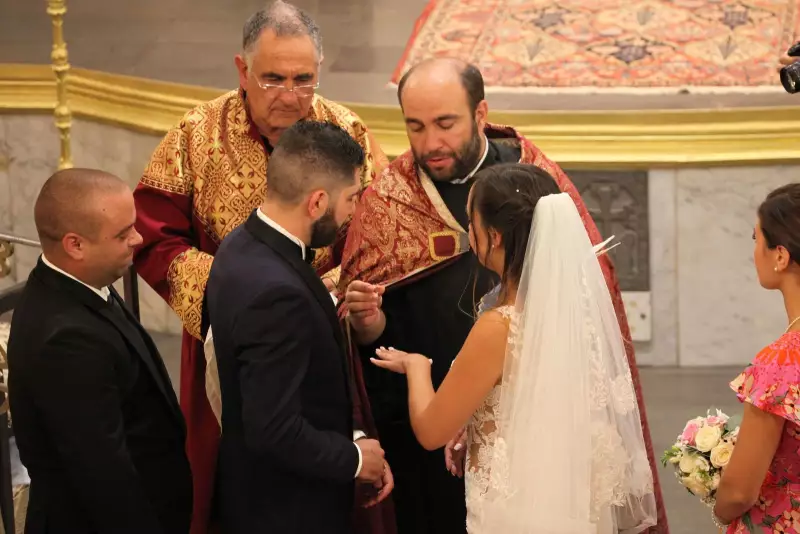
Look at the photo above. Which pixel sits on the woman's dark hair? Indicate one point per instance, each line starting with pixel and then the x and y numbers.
pixel 505 196
pixel 779 216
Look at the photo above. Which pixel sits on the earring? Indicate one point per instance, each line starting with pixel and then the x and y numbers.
pixel 775 269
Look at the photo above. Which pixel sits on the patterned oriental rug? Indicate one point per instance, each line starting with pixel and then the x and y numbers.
pixel 622 46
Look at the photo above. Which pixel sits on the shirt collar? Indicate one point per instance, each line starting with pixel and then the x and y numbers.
pixel 478 166
pixel 263 216
pixel 104 293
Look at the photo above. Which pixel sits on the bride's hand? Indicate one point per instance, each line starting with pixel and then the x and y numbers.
pixel 397 361
pixel 455 453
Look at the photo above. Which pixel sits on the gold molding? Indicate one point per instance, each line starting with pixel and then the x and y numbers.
pixel 576 139
pixel 63 118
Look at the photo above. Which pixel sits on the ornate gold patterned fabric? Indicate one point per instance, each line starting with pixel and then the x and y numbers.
pixel 402 226
pixel 214 164
pixel 188 274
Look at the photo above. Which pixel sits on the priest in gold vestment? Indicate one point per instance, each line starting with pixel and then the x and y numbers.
pixel 205 178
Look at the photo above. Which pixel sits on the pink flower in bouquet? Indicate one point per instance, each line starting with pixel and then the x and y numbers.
pixel 716 420
pixel 690 432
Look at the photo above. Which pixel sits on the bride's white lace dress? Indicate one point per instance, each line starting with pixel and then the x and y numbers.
pixel 611 465
pixel 481 436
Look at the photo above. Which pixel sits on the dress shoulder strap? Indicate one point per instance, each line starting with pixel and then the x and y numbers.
pixel 506 311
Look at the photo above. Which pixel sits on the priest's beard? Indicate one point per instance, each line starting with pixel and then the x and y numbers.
pixel 465 158
pixel 324 230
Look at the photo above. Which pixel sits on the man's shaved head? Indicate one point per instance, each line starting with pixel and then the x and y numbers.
pixel 71 201
pixel 434 73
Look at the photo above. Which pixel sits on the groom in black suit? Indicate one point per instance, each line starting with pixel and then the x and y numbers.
pixel 95 416
pixel 289 456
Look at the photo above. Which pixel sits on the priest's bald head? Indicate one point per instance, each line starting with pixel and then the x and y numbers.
pixel 445 113
pixel 85 221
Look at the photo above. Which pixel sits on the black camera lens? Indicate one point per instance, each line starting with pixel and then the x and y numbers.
pixel 790 74
pixel 790 78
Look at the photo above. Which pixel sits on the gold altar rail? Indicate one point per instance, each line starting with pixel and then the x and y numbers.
pixel 63 117
pixel 576 139
pixel 17 240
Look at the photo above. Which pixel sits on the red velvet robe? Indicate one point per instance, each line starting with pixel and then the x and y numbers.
pixel 203 180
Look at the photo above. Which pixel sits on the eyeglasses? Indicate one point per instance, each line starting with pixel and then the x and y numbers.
pixel 299 90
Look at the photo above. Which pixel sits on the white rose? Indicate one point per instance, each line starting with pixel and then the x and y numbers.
pixel 715 482
pixel 687 463
pixel 707 438
pixel 721 454
pixel 702 464
pixel 696 485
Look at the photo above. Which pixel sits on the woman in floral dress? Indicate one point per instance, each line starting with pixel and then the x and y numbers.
pixel 760 487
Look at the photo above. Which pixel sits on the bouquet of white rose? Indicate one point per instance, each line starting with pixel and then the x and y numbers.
pixel 701 453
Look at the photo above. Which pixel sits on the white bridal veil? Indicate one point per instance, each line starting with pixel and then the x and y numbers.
pixel 569 456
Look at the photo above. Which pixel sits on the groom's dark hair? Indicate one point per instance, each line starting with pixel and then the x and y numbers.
pixel 505 196
pixel 312 155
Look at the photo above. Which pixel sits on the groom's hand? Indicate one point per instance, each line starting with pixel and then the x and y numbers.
pixel 372 461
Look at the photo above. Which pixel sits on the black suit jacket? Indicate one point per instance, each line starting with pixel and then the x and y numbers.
pixel 287 461
pixel 95 416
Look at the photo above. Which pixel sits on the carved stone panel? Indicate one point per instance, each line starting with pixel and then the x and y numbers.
pixel 617 201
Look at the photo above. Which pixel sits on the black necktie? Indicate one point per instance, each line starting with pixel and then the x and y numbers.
pixel 116 307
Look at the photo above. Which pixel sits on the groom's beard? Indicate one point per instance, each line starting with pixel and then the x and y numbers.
pixel 324 231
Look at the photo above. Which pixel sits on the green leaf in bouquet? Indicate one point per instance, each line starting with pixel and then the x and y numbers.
pixel 769 520
pixel 748 522
pixel 733 422
pixel 669 454
pixel 795 503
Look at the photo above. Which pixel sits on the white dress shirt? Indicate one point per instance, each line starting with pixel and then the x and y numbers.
pixel 104 293
pixel 358 434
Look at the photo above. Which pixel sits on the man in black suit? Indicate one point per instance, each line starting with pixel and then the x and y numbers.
pixel 288 461
pixel 95 416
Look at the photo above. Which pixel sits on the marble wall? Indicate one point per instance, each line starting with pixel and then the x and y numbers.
pixel 707 308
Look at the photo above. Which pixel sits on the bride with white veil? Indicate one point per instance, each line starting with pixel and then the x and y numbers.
pixel 555 442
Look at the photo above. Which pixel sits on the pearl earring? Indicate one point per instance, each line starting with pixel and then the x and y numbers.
pixel 775 269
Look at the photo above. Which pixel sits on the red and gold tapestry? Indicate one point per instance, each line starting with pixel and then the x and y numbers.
pixel 402 230
pixel 611 45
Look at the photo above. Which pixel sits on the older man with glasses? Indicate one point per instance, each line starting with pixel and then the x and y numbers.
pixel 205 178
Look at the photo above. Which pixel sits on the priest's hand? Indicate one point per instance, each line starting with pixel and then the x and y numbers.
pixel 364 303
pixel 455 453
pixel 398 361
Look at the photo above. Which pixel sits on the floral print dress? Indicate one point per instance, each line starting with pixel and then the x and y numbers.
pixel 772 384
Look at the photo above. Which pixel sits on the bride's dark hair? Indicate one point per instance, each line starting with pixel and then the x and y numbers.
pixel 505 196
